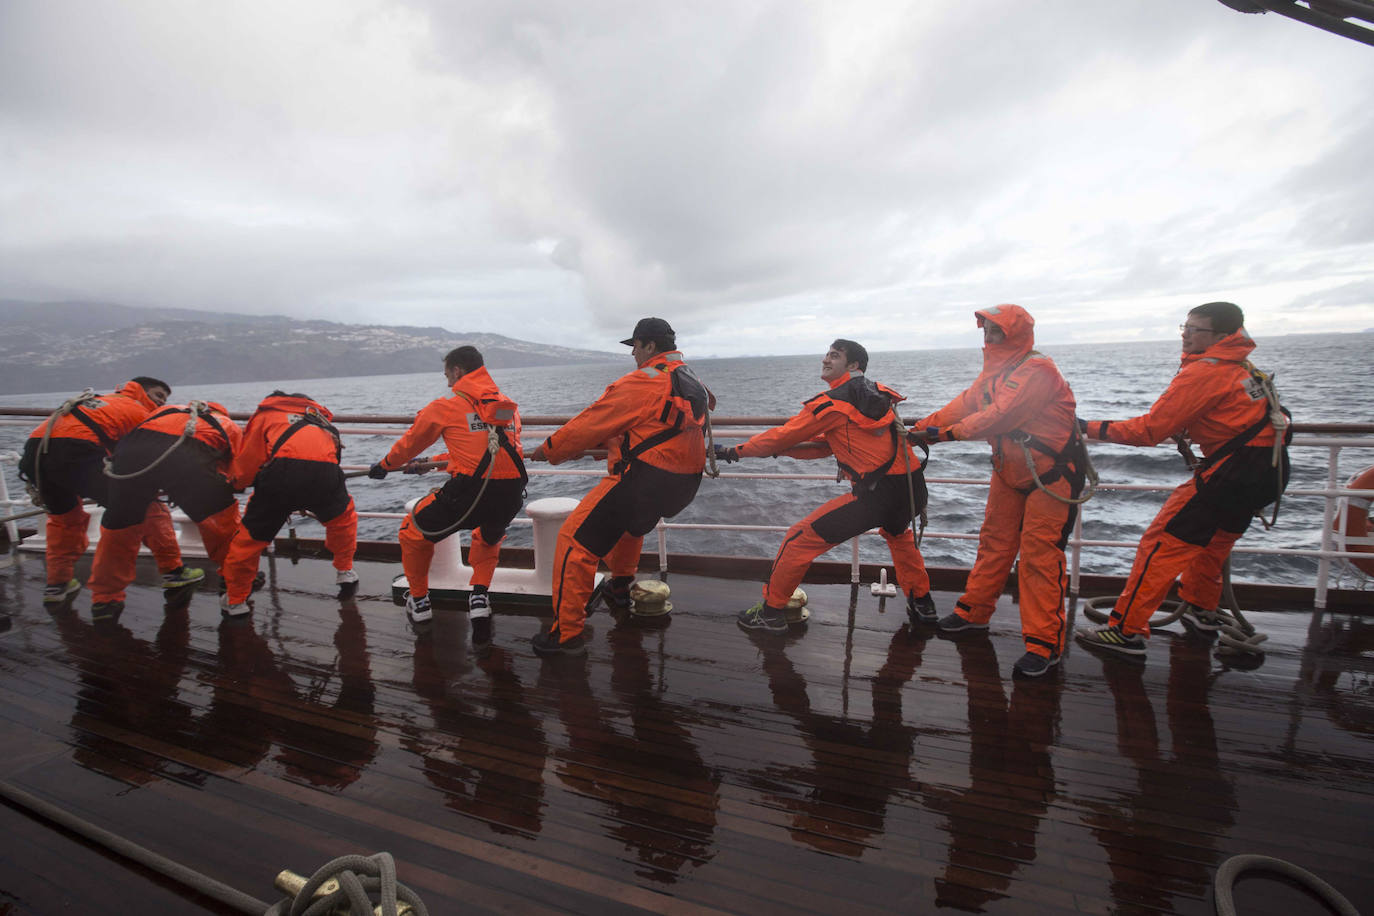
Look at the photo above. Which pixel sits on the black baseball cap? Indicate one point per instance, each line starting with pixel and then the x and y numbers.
pixel 650 329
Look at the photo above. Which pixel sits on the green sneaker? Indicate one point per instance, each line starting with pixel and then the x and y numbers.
pixel 1111 638
pixel 181 577
pixel 762 617
pixel 60 591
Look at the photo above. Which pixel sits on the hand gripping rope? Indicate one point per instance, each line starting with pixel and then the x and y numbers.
pixel 195 408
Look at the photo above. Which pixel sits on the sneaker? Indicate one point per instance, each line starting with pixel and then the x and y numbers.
pixel 181 577
pixel 1033 665
pixel 56 594
pixel 418 609
pixel 479 605
pixel 921 610
pixel 762 617
pixel 347 581
pixel 546 644
pixel 234 610
pixel 953 623
pixel 1111 637
pixel 106 610
pixel 1202 619
pixel 612 592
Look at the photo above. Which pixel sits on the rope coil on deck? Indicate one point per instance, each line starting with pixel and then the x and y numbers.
pixel 354 880
pixel 1232 868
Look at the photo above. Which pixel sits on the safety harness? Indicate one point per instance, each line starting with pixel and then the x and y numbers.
pixel 687 403
pixel 196 410
pixel 70 407
pixel 311 416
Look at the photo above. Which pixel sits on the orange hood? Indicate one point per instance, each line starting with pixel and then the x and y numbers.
pixel 1018 326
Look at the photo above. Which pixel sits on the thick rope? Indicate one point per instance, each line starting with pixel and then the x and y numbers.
pixel 358 878
pixel 493 445
pixel 1089 474
pixel 1232 868
pixel 67 406
pixel 711 469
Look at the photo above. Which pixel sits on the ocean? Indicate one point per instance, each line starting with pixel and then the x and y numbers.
pixel 1321 378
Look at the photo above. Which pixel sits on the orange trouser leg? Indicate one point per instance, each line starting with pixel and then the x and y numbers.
pixel 160 537
pixel 1043 580
pixel 482 557
pixel 115 559
pixel 800 545
pixel 241 565
pixel 623 560
pixel 66 541
pixel 998 541
pixel 217 532
pixel 341 536
pixel 574 567
pixel 417 551
pixel 1158 561
pixel 1200 584
pixel 910 565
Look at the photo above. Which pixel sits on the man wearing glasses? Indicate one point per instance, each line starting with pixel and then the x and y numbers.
pixel 1218 400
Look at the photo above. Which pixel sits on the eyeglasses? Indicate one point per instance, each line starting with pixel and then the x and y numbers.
pixel 1194 329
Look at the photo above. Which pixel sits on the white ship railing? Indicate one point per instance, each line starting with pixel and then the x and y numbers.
pixel 1332 551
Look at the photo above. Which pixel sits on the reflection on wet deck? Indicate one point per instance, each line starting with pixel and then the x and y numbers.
pixel 856 767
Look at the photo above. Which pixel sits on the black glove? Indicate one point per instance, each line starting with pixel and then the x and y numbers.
pixel 377 472
pixel 924 436
pixel 1082 425
pixel 726 454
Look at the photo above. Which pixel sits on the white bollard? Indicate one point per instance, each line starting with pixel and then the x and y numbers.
pixel 450 577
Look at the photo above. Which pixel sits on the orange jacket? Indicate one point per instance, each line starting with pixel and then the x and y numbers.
pixel 852 421
pixel 463 420
pixel 1211 400
pixel 1019 390
pixel 275 416
pixel 220 433
pixel 116 414
pixel 638 409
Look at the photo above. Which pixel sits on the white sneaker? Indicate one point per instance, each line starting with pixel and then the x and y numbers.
pixel 479 605
pixel 345 577
pixel 418 609
pixel 234 610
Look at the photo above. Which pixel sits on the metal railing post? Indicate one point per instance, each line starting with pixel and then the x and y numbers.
pixel 1328 515
pixel 11 528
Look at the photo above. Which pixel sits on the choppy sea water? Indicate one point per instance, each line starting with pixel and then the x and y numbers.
pixel 1322 378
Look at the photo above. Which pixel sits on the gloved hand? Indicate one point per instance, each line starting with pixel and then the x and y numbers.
pixel 416 466
pixel 723 453
pixel 1082 425
pixel 925 436
pixel 377 472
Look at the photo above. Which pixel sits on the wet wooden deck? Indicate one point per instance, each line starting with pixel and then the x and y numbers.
pixel 853 768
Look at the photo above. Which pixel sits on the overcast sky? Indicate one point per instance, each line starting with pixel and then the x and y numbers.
pixel 766 175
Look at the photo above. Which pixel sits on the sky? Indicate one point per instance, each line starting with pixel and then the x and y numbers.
pixel 765 175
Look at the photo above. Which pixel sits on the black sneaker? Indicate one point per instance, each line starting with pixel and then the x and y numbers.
pixel 547 644
pixel 106 610
pixel 921 610
pixel 1111 638
pixel 762 617
pixel 953 623
pixel 1033 665
pixel 1200 619
pixel 612 592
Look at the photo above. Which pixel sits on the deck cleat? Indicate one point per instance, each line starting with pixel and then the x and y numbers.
pixel 796 610
pixel 649 598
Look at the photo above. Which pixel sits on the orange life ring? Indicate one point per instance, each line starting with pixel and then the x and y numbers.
pixel 1357 524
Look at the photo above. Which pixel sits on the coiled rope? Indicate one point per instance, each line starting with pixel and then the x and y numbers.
pixel 1232 868
pixel 35 488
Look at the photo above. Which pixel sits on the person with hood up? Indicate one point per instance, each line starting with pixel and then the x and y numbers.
pixel 1024 408
pixel 63 463
pixel 856 422
pixel 186 451
pixel 1219 401
pixel 486 487
pixel 652 424
pixel 290 457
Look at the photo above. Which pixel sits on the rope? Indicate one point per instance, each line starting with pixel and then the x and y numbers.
pixel 711 469
pixel 916 535
pixel 357 878
pixel 66 407
pixel 195 407
pixel 493 445
pixel 1232 868
pixel 1089 472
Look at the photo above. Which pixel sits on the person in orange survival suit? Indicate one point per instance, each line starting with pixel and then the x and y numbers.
pixel 63 464
pixel 856 421
pixel 652 423
pixel 1024 408
pixel 486 485
pixel 1218 400
pixel 290 457
pixel 186 451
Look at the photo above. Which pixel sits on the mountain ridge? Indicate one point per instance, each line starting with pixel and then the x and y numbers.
pixel 51 346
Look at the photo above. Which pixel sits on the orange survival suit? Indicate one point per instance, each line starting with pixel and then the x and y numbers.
pixel 1019 395
pixel 652 423
pixel 854 421
pixel 290 457
pixel 187 457
pixel 1216 403
pixel 486 485
pixel 71 468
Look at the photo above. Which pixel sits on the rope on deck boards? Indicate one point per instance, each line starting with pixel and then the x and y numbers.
pixel 341 887
pixel 1232 868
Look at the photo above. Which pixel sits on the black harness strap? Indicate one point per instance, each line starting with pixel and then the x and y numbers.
pixel 307 419
pixel 207 417
pixel 105 441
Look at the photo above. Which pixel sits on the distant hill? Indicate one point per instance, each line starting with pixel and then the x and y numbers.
pixel 52 346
